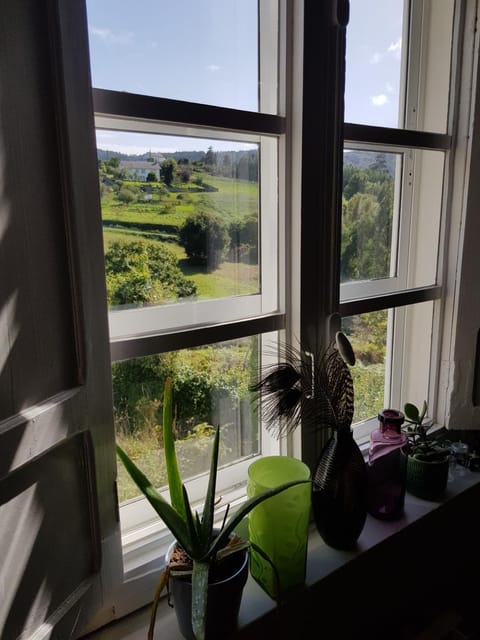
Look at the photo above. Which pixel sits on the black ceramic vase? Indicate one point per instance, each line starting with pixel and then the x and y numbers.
pixel 339 491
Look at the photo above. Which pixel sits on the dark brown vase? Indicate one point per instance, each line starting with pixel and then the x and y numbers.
pixel 339 491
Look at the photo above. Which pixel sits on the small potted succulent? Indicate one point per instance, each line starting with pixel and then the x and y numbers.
pixel 428 457
pixel 206 558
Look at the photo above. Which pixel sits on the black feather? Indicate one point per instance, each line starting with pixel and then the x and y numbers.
pixel 320 395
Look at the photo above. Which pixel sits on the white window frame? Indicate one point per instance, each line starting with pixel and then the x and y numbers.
pixel 149 331
pixel 398 293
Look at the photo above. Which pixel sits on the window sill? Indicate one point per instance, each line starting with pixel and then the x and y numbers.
pixel 390 572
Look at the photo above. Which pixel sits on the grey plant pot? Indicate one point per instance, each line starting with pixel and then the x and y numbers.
pixel 427 479
pixel 223 599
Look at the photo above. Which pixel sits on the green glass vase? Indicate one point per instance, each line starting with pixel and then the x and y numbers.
pixel 278 527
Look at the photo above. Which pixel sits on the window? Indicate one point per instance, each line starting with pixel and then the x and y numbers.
pixel 225 132
pixel 191 136
pixel 394 211
pixel 223 140
pixel 416 295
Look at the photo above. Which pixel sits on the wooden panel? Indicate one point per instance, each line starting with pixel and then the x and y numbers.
pixel 44 558
pixel 36 323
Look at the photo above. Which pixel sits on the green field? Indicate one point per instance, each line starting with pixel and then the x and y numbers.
pixel 158 220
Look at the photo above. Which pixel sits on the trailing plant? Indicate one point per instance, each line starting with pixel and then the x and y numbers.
pixel 420 444
pixel 194 532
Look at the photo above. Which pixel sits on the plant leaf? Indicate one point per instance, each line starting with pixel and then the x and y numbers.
pixel 244 509
pixel 199 598
pixel 209 507
pixel 411 411
pixel 173 474
pixel 424 411
pixel 166 512
pixel 196 543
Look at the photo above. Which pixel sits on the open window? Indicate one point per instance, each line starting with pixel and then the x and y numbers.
pixel 191 128
pixel 398 136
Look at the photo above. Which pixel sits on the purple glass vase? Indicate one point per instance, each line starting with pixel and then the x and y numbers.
pixel 387 466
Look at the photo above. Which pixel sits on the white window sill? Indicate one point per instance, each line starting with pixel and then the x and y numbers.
pixel 393 560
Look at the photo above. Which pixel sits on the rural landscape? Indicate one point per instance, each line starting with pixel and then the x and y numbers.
pixel 185 225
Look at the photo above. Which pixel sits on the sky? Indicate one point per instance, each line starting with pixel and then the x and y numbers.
pixel 206 51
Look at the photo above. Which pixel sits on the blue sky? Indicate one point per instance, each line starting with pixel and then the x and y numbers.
pixel 206 51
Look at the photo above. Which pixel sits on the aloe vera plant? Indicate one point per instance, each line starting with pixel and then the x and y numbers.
pixel 193 531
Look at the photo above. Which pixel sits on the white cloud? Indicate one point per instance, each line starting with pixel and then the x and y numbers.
pixel 213 68
pixel 379 101
pixel 375 59
pixel 109 37
pixel 395 48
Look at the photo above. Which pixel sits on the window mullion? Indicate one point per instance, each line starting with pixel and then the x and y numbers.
pixel 130 105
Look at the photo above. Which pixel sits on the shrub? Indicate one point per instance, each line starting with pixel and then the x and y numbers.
pixel 205 239
pixel 127 194
pixel 144 273
pixel 212 383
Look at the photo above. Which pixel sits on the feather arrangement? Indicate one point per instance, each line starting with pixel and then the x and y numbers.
pixel 317 390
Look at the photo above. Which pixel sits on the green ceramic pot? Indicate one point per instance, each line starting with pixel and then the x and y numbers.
pixel 427 479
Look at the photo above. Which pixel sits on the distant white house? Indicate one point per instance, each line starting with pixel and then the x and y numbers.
pixel 139 169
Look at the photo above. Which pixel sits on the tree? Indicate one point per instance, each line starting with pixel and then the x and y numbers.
pixel 184 174
pixel 151 177
pixel 244 239
pixel 168 168
pixel 113 162
pixel 205 239
pixel 210 156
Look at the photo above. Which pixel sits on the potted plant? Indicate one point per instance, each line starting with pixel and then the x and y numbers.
pixel 428 457
pixel 207 550
pixel 317 390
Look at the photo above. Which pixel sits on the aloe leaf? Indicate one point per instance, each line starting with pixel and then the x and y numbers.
pixel 173 473
pixel 199 598
pixel 166 512
pixel 244 510
pixel 156 598
pixel 195 548
pixel 209 507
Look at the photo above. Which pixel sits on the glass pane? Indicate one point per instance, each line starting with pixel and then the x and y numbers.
pixel 210 388
pixel 204 51
pixel 373 62
pixel 393 350
pixel 388 85
pixel 426 184
pixel 368 335
pixel 418 370
pixel 180 218
pixel 368 214
pixel 391 219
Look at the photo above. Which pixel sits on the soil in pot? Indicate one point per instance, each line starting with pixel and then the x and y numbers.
pixel 226 581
